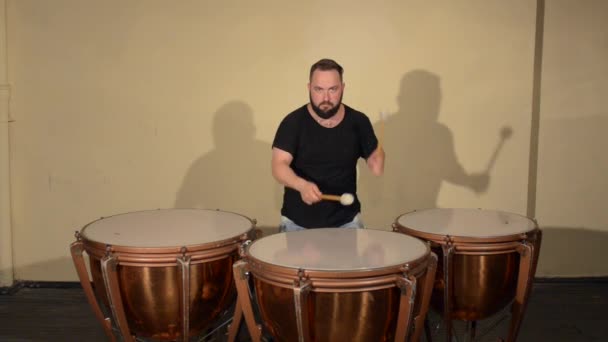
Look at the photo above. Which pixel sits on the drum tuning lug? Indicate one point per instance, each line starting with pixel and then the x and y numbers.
pixel 448 240
pixel 77 236
pixel 301 276
pixel 524 248
pixel 243 248
pixel 255 222
pixel 183 250
pixel 108 250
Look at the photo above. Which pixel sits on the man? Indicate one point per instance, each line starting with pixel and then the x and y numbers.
pixel 315 152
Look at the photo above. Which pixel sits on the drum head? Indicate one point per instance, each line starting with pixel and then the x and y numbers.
pixel 475 223
pixel 337 249
pixel 167 228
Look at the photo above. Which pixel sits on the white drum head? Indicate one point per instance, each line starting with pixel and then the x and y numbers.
pixel 167 228
pixel 475 223
pixel 337 249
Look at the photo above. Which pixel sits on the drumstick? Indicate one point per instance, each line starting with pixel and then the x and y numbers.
pixel 345 199
pixel 505 133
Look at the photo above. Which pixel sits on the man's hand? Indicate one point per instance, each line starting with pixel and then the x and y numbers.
pixel 309 192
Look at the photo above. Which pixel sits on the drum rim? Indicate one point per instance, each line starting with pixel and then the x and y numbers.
pixel 259 265
pixel 443 238
pixel 94 244
pixel 248 256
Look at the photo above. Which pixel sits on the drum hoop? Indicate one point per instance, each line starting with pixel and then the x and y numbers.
pixel 165 259
pixel 443 238
pixel 341 285
pixel 97 245
pixel 457 238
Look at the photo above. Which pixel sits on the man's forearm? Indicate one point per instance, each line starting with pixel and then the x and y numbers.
pixel 284 174
pixel 375 162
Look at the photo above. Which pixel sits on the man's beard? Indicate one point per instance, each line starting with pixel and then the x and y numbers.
pixel 325 114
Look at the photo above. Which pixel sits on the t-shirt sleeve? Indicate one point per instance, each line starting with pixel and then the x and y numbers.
pixel 367 138
pixel 286 136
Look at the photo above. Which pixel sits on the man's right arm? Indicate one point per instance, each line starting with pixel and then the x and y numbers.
pixel 283 173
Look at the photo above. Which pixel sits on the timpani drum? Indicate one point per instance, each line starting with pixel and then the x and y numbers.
pixel 488 258
pixel 160 274
pixel 333 284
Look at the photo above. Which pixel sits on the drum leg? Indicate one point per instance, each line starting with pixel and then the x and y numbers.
pixel 407 284
pixel 184 267
pixel 110 279
pixel 419 321
pixel 427 331
pixel 448 251
pixel 240 279
pixel 233 329
pixel 471 330
pixel 77 249
pixel 300 297
pixel 524 284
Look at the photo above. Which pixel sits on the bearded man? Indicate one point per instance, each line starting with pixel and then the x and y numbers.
pixel 315 152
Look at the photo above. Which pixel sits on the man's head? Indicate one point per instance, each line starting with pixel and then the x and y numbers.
pixel 325 87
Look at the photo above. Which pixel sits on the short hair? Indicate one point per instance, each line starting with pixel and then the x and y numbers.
pixel 326 64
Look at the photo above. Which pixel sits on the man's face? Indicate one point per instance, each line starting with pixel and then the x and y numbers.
pixel 326 91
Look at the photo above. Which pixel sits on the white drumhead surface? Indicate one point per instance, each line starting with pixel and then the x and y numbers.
pixel 337 249
pixel 478 223
pixel 167 228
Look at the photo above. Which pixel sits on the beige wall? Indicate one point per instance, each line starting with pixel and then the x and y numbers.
pixel 6 240
pixel 128 105
pixel 573 163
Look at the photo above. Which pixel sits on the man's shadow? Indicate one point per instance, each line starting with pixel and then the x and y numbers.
pixel 419 155
pixel 236 175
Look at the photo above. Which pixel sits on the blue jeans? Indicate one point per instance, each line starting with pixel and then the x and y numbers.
pixel 288 225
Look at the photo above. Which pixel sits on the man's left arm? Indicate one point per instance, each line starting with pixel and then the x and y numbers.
pixel 371 147
pixel 375 162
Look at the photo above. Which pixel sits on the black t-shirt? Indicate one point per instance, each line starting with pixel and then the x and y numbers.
pixel 327 157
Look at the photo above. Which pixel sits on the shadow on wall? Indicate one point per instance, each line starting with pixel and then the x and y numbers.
pixel 420 155
pixel 236 175
pixel 573 252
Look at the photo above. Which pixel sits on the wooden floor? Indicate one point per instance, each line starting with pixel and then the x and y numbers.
pixel 557 311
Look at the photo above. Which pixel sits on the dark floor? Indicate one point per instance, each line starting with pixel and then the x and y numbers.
pixel 557 311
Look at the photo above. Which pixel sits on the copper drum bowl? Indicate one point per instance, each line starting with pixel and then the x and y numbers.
pixel 161 274
pixel 488 258
pixel 334 284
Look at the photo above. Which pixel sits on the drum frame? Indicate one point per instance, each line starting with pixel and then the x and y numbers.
pixel 526 244
pixel 303 281
pixel 111 256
